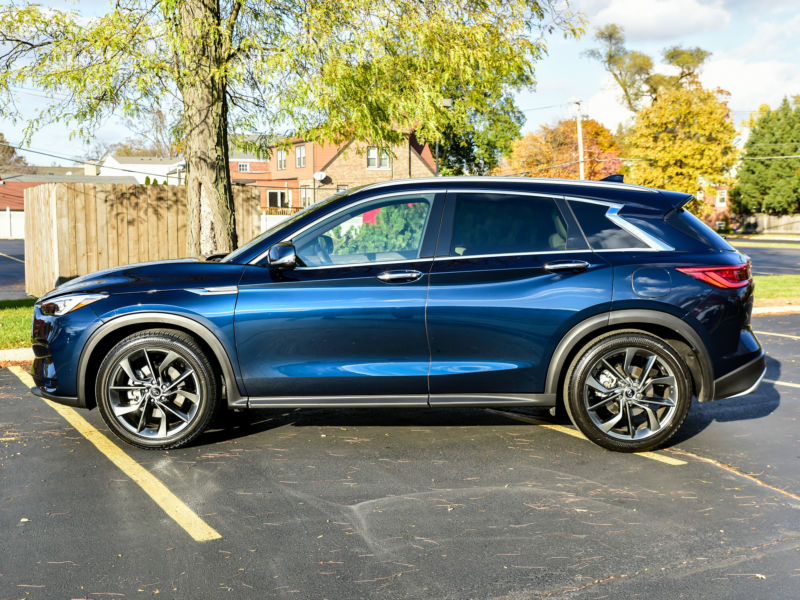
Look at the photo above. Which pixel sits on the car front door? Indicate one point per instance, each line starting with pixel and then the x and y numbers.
pixel 512 274
pixel 348 323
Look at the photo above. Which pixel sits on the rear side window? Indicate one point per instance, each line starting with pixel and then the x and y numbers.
pixel 600 232
pixel 687 223
pixel 507 224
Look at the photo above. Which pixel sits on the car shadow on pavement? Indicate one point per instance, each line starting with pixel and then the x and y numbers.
pixel 233 425
pixel 760 403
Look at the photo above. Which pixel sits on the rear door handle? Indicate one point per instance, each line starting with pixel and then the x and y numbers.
pixel 566 265
pixel 399 276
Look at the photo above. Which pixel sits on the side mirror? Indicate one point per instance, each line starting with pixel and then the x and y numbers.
pixel 283 256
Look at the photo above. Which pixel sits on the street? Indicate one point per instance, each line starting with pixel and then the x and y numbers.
pixel 419 503
pixel 12 269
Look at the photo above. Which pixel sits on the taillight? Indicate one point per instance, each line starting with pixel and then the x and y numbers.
pixel 726 277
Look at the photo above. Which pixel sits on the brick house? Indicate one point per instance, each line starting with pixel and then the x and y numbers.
pixel 717 214
pixel 306 172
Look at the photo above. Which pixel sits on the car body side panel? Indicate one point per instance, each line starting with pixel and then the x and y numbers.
pixel 493 323
pixel 721 317
pixel 336 331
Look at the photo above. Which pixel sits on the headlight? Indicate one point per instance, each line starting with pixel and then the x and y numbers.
pixel 64 304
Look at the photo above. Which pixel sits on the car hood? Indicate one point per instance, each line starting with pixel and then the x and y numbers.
pixel 164 275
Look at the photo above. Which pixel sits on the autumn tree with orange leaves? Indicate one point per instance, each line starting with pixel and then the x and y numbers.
pixel 553 152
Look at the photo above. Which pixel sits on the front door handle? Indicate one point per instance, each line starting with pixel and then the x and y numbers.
pixel 566 265
pixel 399 276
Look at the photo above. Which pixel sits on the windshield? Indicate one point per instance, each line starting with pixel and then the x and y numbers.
pixel 233 256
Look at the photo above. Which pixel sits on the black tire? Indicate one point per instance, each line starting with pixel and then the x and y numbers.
pixel 628 410
pixel 164 411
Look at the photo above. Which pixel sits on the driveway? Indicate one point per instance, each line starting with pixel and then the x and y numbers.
pixel 417 503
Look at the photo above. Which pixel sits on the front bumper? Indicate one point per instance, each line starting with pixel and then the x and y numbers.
pixel 743 380
pixel 66 400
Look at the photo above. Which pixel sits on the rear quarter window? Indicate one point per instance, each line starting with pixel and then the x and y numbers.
pixel 600 232
pixel 689 225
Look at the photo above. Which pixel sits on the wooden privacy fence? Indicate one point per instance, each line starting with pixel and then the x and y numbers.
pixel 72 229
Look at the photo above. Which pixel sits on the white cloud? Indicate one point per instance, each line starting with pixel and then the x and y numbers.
pixel 752 82
pixel 604 105
pixel 658 19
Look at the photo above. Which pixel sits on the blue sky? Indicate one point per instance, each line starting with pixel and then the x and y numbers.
pixel 753 45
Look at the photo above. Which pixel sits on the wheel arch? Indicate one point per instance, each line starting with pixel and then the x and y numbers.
pixel 679 334
pixel 112 331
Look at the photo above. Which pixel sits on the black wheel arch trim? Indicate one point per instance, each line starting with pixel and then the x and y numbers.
pixel 155 319
pixel 631 318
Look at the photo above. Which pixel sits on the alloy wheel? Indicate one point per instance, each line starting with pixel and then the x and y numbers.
pixel 630 393
pixel 154 392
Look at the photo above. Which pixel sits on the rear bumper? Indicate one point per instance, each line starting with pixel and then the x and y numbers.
pixel 741 381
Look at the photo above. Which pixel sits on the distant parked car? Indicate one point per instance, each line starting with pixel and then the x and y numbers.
pixel 609 299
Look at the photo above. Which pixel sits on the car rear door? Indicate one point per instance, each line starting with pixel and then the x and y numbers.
pixel 512 274
pixel 350 320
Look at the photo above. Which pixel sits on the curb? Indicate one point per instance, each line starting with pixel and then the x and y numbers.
pixel 17 355
pixel 777 310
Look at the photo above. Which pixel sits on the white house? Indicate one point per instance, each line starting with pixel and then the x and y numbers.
pixel 140 167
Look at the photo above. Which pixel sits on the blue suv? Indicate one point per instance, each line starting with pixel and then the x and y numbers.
pixel 606 300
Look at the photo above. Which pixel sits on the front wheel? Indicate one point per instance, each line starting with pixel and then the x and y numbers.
pixel 157 389
pixel 628 392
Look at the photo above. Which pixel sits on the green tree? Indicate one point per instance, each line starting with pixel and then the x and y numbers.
pixel 633 71
pixel 331 70
pixel 396 228
pixel 771 185
pixel 9 159
pixel 684 138
pixel 477 148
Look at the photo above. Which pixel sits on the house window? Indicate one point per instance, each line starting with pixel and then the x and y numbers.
pixel 244 167
pixel 377 159
pixel 722 198
pixel 277 198
pixel 306 196
pixel 300 156
pixel 281 156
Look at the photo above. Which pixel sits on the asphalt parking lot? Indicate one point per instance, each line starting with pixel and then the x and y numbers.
pixel 455 503
pixel 12 269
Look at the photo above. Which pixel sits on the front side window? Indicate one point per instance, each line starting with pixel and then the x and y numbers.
pixel 300 156
pixel 600 232
pixel 506 224
pixel 281 157
pixel 384 230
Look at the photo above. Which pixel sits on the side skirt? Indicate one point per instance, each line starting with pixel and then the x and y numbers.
pixel 414 400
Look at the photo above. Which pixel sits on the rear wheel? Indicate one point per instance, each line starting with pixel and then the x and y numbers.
pixel 157 389
pixel 628 392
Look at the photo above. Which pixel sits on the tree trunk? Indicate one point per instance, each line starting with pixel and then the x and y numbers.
pixel 211 226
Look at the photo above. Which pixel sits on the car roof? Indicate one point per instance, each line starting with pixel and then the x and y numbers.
pixel 626 194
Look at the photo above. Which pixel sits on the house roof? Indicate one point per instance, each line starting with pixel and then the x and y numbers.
pixel 80 177
pixel 13 186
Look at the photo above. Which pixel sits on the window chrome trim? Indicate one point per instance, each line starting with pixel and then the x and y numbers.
pixel 336 212
pixel 612 214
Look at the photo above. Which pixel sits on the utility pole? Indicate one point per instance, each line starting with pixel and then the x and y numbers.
pixel 580 140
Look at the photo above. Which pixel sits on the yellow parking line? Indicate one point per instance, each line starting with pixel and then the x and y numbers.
pixel 166 500
pixel 786 335
pixel 786 383
pixel 12 257
pixel 575 433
